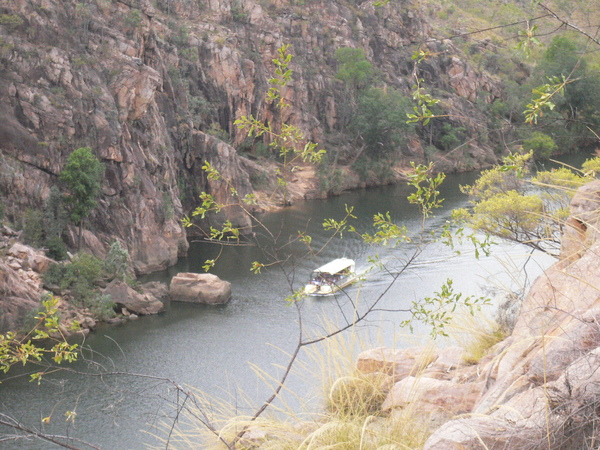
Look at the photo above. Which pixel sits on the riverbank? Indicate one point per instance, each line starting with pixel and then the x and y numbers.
pixel 24 287
pixel 537 388
pixel 214 349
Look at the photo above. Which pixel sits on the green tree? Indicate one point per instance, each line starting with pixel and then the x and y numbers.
pixel 32 227
pixel 353 67
pixel 82 177
pixel 55 220
pixel 563 58
pixel 542 145
pixel 452 136
pixel 380 122
pixel 531 210
pixel 570 95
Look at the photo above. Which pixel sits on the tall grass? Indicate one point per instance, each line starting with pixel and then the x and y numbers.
pixel 346 413
pixel 476 334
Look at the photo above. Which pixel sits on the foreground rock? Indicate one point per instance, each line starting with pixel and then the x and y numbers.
pixel 203 288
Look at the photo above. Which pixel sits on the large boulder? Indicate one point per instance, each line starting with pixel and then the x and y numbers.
pixel 200 288
pixel 126 297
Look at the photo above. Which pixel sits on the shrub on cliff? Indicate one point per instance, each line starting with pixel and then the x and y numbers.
pixel 78 276
pixel 542 145
pixel 82 177
pixel 380 123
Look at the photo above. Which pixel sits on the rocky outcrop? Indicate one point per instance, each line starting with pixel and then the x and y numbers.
pixel 26 258
pixel 145 85
pixel 536 389
pixel 21 284
pixel 202 288
pixel 135 303
pixel 22 289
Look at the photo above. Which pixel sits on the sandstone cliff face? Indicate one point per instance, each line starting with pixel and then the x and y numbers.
pixel 142 82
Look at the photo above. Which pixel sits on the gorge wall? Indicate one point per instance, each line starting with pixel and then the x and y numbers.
pixel 148 86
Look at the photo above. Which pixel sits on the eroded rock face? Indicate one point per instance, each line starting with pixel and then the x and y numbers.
pixel 142 82
pixel 203 288
pixel 21 285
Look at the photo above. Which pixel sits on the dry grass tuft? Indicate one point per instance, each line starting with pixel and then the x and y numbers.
pixel 476 334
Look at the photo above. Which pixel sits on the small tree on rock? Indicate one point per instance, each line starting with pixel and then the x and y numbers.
pixel 82 177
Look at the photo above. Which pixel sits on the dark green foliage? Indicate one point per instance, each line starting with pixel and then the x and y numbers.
pixel 32 228
pixel 55 275
pixel 30 320
pixel 353 67
pixel 577 109
pixel 56 248
pixel 133 19
pixel 237 12
pixel 380 121
pixel 116 262
pixel 101 306
pixel 452 136
pixel 78 276
pixel 330 177
pixel 181 37
pixel 542 145
pixel 55 220
pixel 369 169
pixel 82 177
pixel 81 276
pixel 10 21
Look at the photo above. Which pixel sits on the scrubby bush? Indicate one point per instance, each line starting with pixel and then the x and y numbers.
pixel 358 395
pixel 116 262
pixel 83 274
pixel 55 218
pixel 55 275
pixel 542 145
pixel 380 121
pixel 452 136
pixel 79 276
pixel 101 306
pixel 56 248
pixel 10 21
pixel 32 228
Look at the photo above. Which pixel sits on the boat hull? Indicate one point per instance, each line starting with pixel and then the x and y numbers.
pixel 327 289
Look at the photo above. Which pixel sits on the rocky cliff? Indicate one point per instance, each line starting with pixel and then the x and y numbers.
pixel 154 89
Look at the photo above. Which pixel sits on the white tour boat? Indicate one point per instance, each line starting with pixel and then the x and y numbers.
pixel 331 277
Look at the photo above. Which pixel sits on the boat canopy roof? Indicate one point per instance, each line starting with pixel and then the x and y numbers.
pixel 335 266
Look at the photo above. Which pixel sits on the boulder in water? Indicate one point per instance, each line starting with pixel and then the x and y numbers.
pixel 203 288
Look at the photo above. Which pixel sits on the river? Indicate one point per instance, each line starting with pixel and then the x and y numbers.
pixel 212 348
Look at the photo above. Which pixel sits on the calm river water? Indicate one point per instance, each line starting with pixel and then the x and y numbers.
pixel 212 348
